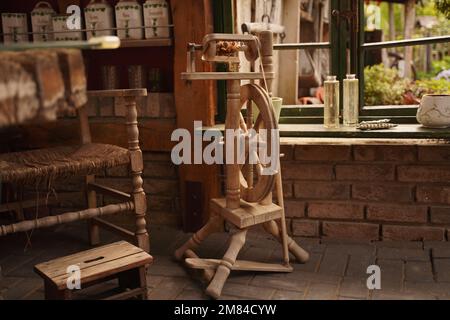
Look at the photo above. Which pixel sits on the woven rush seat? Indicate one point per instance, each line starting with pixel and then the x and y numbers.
pixel 59 162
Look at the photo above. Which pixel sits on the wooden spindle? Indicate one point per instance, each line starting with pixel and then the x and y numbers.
pixel 68 217
pixel 137 166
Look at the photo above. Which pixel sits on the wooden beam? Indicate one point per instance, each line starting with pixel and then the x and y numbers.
pixel 288 72
pixel 193 19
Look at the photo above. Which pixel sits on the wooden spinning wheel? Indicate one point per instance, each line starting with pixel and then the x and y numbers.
pixel 255 180
pixel 253 174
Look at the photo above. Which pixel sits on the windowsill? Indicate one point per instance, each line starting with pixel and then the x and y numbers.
pixel 316 133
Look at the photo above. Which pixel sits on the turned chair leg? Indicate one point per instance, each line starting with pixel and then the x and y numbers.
pixel 93 229
pixel 137 166
pixel 223 270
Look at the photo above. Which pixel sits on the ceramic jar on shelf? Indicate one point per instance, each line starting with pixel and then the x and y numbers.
pixel 156 16
pixel 99 19
pixel 41 22
pixel 434 111
pixel 62 32
pixel 15 27
pixel 129 20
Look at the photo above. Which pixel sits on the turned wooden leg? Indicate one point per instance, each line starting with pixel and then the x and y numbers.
pixel 223 271
pixel 300 254
pixel 214 224
pixel 93 229
pixel 137 166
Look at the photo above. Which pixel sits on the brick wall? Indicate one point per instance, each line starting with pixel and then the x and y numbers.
pixel 371 192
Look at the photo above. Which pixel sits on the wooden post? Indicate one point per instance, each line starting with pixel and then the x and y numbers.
pixel 266 38
pixel 288 72
pixel 233 122
pixel 137 166
pixel 410 20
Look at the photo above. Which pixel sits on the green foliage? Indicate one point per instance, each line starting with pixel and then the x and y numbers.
pixel 444 7
pixel 430 86
pixel 383 86
pixel 441 65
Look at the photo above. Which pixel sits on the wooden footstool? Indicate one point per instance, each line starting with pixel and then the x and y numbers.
pixel 120 260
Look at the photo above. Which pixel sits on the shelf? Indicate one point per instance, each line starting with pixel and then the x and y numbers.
pixel 225 75
pixel 403 131
pixel 162 42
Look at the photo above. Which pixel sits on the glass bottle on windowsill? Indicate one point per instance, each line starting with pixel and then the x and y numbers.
pixel 331 107
pixel 351 100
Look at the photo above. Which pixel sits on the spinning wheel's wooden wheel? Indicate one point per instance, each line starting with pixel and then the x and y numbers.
pixel 256 177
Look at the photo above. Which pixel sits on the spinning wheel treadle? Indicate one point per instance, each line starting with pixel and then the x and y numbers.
pixel 249 185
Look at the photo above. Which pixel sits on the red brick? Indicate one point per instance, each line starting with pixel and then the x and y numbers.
pixel 384 153
pixel 381 172
pixel 350 230
pixel 322 152
pixel 401 213
pixel 292 170
pixel 305 228
pixel 106 106
pixel 433 194
pixel 434 153
pixel 440 215
pixel 287 190
pixel 412 233
pixel 119 107
pixel 322 190
pixel 336 210
pixel 424 173
pixel 294 208
pixel 288 151
pixel 383 192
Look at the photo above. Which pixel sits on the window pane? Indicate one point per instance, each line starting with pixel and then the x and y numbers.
pixel 401 76
pixel 313 63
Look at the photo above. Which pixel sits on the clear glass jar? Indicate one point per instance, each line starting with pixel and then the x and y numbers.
pixel 331 107
pixel 351 101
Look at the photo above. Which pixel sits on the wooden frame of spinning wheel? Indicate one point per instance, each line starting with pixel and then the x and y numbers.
pixel 242 207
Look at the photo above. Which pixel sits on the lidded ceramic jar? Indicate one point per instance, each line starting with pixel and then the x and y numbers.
pixel 129 20
pixel 434 111
pixel 156 14
pixel 15 27
pixel 99 16
pixel 41 22
pixel 62 32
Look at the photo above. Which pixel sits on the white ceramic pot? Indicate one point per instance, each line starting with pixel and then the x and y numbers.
pixel 62 32
pixel 15 27
pixel 99 15
pixel 128 17
pixel 434 111
pixel 41 22
pixel 156 13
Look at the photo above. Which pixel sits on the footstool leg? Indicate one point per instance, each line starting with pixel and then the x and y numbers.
pixel 133 279
pixel 53 293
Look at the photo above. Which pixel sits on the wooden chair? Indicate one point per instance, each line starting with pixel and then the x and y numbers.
pixel 43 165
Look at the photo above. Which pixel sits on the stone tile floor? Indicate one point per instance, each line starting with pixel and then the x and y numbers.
pixel 336 270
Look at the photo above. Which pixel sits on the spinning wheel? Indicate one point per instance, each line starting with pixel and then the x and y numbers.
pixel 257 178
pixel 253 171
